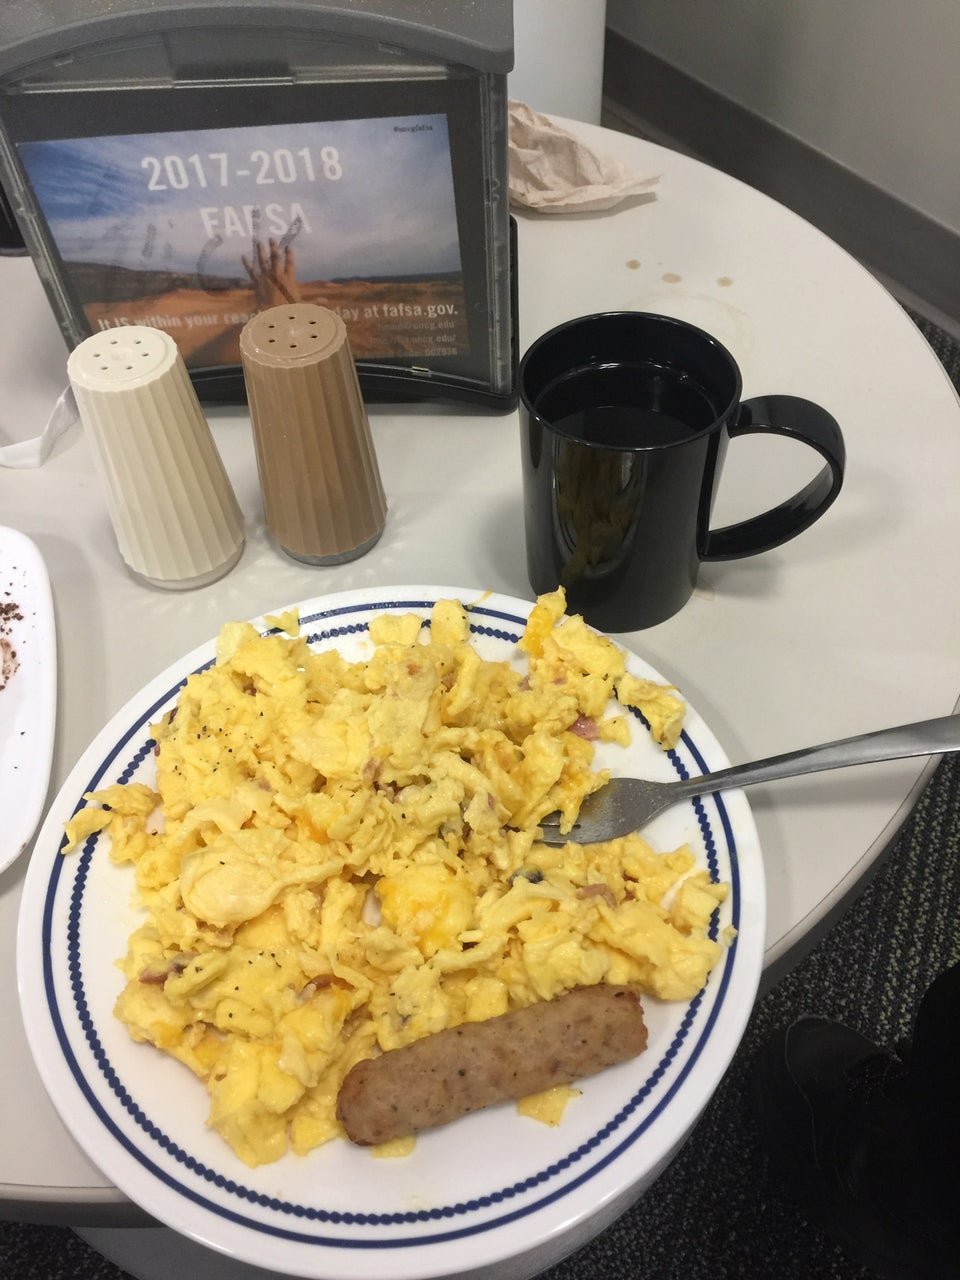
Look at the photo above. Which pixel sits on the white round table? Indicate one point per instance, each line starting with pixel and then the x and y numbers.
pixel 853 626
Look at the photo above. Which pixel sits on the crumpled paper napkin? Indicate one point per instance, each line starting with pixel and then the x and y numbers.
pixel 34 452
pixel 554 172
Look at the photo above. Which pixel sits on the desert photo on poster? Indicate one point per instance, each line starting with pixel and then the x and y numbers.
pixel 195 231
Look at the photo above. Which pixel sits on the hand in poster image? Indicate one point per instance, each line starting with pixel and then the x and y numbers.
pixel 273 274
pixel 272 269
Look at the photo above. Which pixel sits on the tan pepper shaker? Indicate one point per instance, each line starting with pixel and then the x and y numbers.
pixel 322 494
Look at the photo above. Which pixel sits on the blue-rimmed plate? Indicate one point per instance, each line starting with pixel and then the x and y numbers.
pixel 494 1190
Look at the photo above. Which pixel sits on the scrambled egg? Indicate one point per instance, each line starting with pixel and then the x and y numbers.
pixel 341 857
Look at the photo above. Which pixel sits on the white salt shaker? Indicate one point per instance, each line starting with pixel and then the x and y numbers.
pixel 174 512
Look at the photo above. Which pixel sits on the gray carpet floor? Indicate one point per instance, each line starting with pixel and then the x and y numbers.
pixel 719 1212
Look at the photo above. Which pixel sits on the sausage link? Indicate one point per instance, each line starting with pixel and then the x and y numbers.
pixel 451 1073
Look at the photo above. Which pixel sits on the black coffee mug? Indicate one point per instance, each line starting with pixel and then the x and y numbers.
pixel 625 418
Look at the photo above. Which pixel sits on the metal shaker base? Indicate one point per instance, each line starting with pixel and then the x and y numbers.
pixel 191 584
pixel 340 557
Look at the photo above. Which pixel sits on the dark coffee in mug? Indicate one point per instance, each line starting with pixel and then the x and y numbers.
pixel 628 405
pixel 625 419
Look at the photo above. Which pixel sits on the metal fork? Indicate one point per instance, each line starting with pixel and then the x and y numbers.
pixel 628 804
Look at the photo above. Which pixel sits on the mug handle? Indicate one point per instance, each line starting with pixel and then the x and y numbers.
pixel 797 419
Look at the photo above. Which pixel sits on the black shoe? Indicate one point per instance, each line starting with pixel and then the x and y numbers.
pixel 834 1112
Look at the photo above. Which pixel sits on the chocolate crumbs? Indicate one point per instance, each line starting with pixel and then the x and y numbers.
pixel 9 614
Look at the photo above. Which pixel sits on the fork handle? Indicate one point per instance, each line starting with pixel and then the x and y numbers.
pixel 926 738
